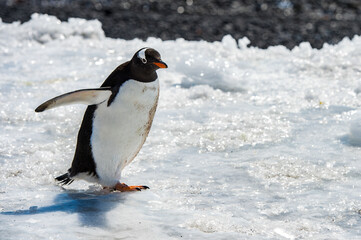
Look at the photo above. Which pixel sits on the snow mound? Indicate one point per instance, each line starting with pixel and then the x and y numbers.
pixel 45 28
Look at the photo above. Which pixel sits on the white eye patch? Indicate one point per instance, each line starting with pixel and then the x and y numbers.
pixel 141 55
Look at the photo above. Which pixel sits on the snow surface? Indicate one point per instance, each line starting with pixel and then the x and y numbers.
pixel 246 143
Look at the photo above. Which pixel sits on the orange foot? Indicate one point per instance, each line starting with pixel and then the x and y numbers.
pixel 125 188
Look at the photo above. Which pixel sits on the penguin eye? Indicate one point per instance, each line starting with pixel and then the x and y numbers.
pixel 144 60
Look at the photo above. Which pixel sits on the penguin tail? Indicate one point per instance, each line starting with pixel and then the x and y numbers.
pixel 64 179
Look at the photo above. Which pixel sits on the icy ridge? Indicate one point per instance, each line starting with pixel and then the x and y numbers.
pixel 44 28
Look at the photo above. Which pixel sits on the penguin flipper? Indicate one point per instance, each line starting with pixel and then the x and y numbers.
pixel 83 96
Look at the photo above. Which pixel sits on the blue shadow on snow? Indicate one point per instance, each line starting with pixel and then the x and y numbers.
pixel 90 207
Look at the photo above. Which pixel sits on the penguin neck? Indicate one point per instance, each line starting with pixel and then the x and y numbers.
pixel 142 76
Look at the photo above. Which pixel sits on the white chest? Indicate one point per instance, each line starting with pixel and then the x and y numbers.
pixel 120 130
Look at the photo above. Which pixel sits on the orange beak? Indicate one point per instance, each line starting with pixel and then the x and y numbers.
pixel 161 64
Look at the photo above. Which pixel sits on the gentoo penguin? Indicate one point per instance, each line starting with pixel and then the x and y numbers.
pixel 116 122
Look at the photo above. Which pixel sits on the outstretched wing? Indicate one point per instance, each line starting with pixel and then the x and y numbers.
pixel 83 96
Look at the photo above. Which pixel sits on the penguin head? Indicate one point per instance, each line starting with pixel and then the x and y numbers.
pixel 148 59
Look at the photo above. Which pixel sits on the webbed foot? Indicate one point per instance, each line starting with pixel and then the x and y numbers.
pixel 122 187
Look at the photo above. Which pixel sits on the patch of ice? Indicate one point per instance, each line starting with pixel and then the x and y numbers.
pixel 284 233
pixel 290 172
pixel 355 132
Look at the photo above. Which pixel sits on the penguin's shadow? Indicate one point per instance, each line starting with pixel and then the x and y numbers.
pixel 90 207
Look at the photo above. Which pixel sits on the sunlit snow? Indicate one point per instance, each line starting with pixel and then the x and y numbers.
pixel 246 143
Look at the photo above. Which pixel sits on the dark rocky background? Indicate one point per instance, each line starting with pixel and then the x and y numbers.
pixel 264 22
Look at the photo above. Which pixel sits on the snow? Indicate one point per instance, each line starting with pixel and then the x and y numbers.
pixel 246 143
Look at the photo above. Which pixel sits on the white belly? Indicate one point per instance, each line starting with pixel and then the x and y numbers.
pixel 120 130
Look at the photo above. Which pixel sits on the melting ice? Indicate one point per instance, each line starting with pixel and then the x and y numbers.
pixel 246 142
